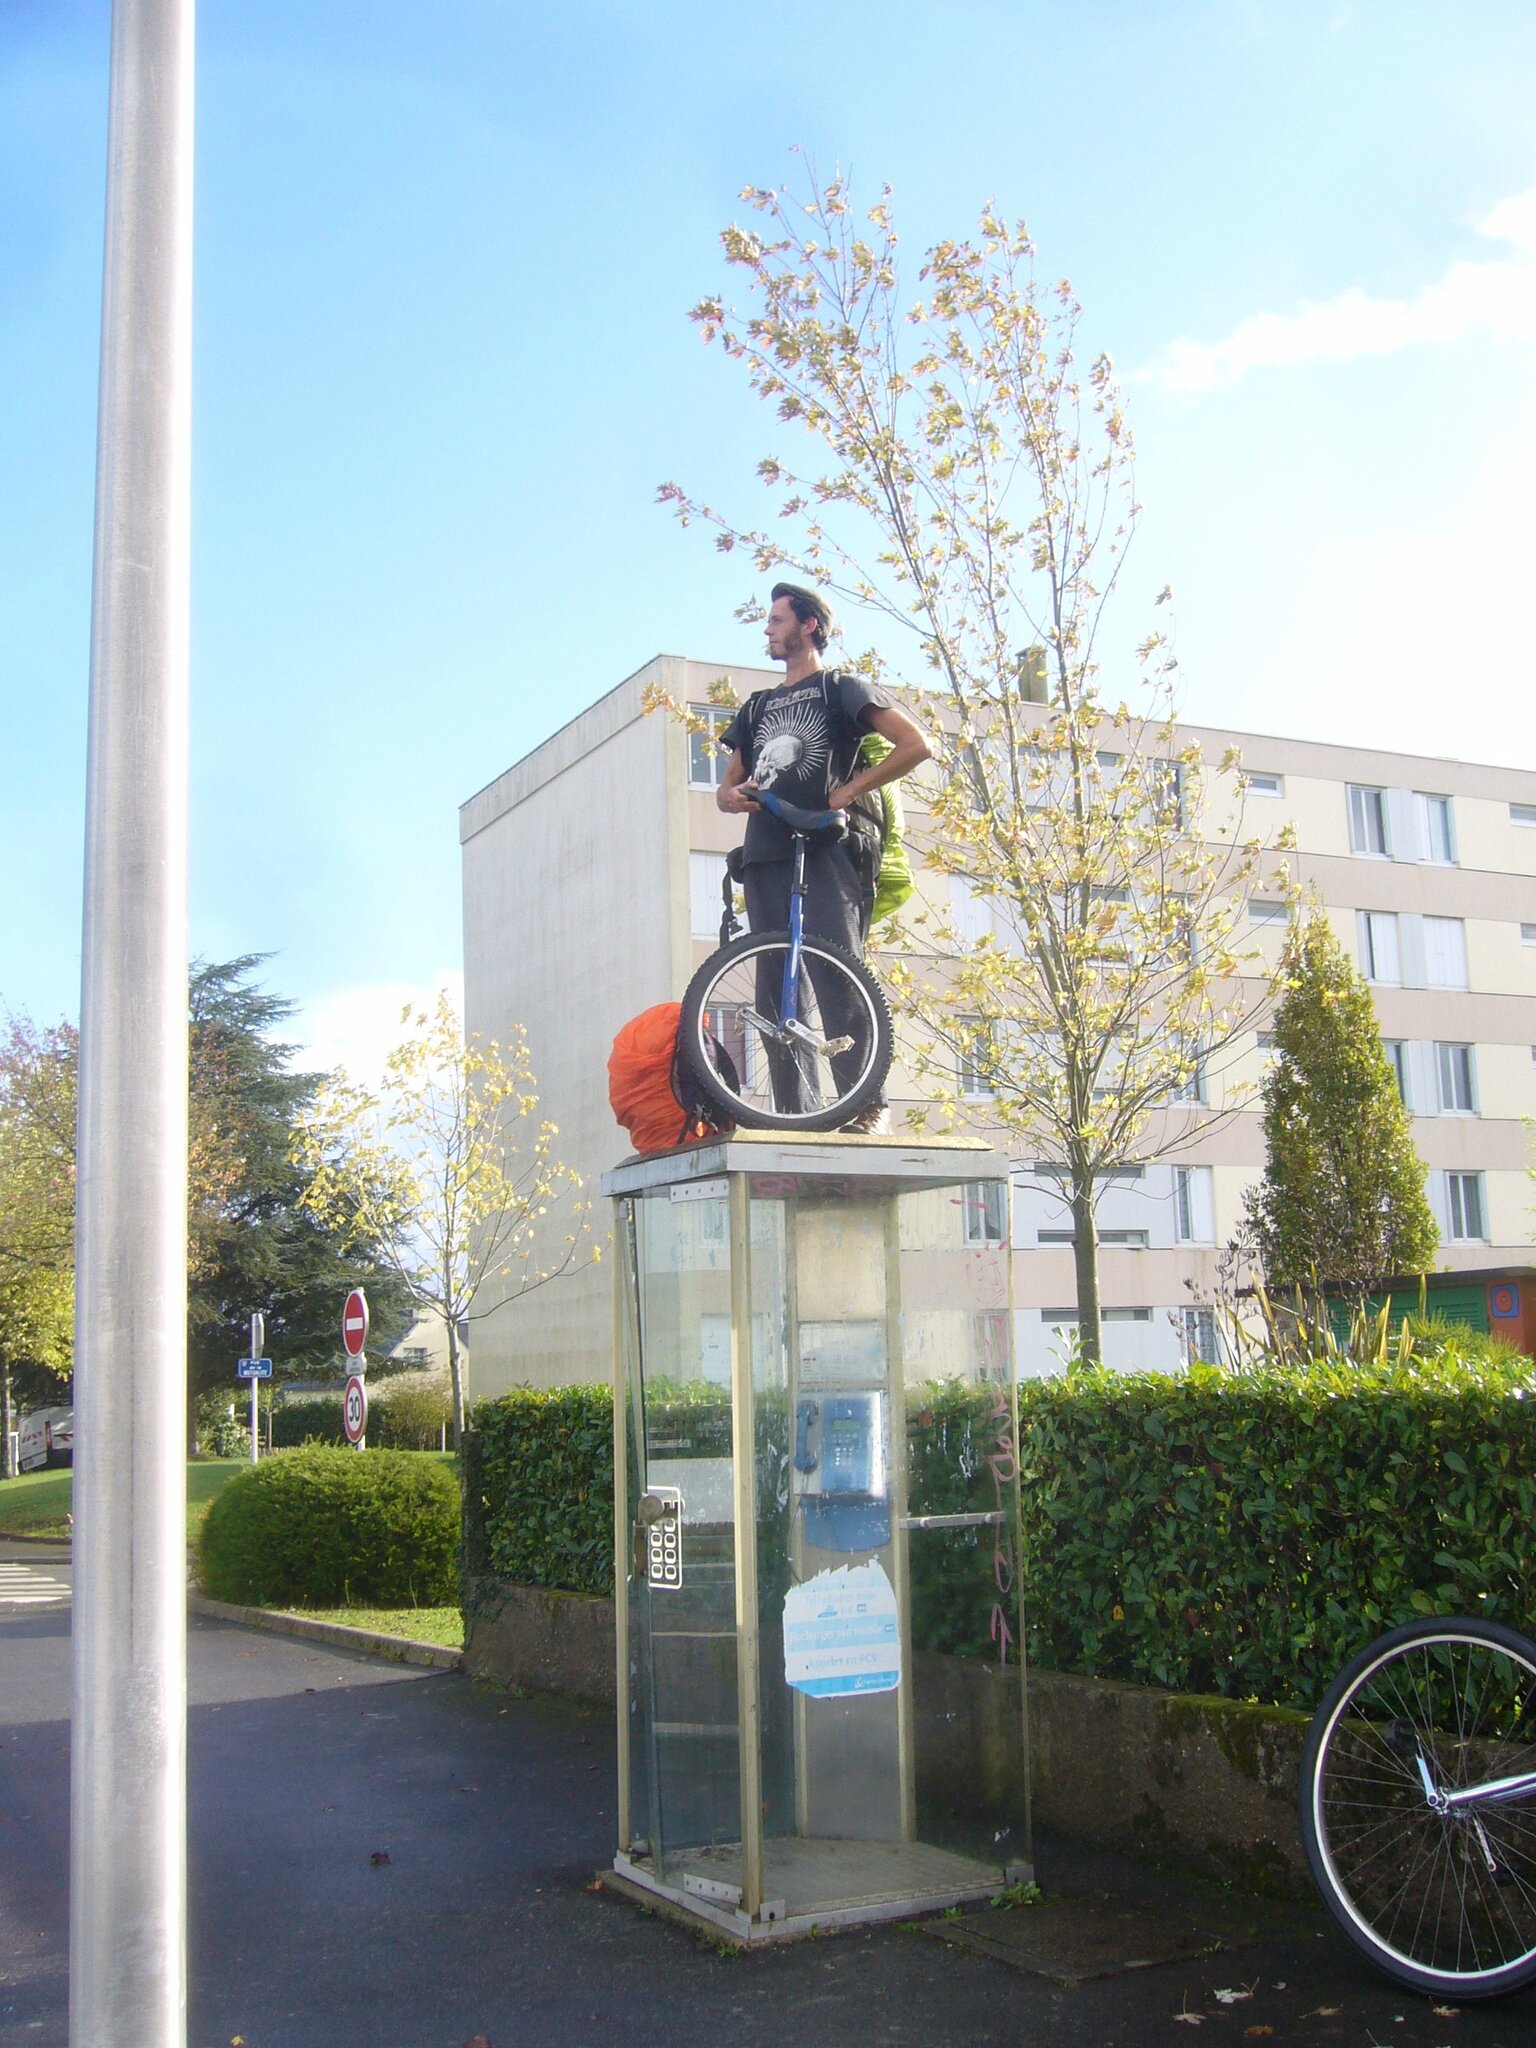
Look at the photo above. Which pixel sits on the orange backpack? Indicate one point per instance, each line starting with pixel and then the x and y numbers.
pixel 643 1083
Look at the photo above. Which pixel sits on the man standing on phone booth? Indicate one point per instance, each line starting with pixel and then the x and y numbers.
pixel 802 740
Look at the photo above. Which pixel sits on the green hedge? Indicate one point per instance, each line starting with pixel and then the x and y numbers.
pixel 319 1527
pixel 1235 1534
pixel 399 1419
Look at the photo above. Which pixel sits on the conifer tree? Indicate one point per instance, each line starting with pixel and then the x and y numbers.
pixel 1342 1201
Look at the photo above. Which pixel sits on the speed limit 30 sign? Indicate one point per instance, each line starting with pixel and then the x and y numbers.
pixel 354 1410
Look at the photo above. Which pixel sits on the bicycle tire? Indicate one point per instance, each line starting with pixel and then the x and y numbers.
pixel 747 1087
pixel 1410 1886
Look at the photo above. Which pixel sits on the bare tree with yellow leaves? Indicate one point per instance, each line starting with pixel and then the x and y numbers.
pixel 449 1171
pixel 965 483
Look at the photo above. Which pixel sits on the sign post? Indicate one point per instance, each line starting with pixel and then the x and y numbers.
pixel 250 1369
pixel 354 1336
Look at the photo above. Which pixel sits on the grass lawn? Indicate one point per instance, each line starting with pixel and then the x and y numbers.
pixel 37 1504
pixel 421 1624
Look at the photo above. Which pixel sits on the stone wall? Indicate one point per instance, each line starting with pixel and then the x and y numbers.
pixel 1210 1783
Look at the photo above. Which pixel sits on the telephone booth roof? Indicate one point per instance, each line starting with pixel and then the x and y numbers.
pixel 900 1165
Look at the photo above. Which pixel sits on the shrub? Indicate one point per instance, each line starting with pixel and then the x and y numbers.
pixel 410 1418
pixel 1238 1534
pixel 320 1527
pixel 309 1419
pixel 545 1460
pixel 220 1432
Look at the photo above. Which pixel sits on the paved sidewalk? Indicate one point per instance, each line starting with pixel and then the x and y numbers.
pixel 383 1857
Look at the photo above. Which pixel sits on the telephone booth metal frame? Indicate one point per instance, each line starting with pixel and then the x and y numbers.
pixel 815 1421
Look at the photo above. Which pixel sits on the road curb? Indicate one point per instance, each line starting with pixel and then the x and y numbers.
pixel 400 1649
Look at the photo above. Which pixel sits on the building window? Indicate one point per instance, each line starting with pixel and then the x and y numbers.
pixel 1197 1336
pixel 1367 820
pixel 1528 935
pixel 1192 1087
pixel 1266 1041
pixel 1125 1315
pixel 990 1326
pixel 1435 833
pixel 986 1212
pixel 1265 785
pixel 1465 1210
pixel 1397 1060
pixel 1379 952
pixel 973 1061
pixel 707 759
pixel 1456 1080
pixel 1269 913
pixel 1445 952
pixel 706 905
pixel 1193 1214
pixel 1522 814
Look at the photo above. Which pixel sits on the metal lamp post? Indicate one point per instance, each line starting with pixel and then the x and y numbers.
pixel 128 1782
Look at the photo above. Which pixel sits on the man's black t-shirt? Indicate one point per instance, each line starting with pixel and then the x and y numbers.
pixel 802 741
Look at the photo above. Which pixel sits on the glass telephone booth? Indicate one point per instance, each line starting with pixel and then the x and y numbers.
pixel 821 1699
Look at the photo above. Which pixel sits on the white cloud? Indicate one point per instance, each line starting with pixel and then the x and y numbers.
pixel 1497 297
pixel 356 1027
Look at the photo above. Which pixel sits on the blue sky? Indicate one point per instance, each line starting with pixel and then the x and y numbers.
pixel 444 257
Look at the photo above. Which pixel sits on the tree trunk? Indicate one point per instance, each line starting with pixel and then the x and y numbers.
pixel 6 1422
pixel 1085 1253
pixel 456 1382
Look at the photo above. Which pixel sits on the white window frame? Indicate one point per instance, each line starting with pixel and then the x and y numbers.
pixel 1455 1078
pixel 1197 1336
pixel 1528 935
pixel 985 1205
pixel 1374 926
pixel 1522 814
pixel 714 756
pixel 1194 1219
pixel 1466 1204
pixel 973 1084
pixel 1396 1050
pixel 1368 820
pixel 1431 806
pixel 1264 784
pixel 1262 912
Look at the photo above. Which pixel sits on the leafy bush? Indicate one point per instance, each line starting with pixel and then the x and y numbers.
pixel 400 1418
pixel 1239 1534
pixel 319 1527
pixel 1246 1534
pixel 223 1430
pixel 545 1460
pixel 408 1418
pixel 309 1419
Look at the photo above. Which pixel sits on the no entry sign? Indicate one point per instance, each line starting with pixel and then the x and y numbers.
pixel 354 1323
pixel 354 1410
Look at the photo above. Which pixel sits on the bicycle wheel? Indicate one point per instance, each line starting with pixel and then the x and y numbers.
pixel 1439 1891
pixel 812 1075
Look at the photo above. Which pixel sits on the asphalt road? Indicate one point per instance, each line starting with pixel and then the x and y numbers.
pixel 389 1858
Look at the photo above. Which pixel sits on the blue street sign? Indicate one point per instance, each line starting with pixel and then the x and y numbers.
pixel 254 1368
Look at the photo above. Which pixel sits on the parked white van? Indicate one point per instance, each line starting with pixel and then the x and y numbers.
pixel 46 1437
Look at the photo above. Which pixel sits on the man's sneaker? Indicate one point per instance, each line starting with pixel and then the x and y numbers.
pixel 869 1122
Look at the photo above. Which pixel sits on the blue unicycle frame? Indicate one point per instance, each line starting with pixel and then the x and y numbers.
pixel 800 823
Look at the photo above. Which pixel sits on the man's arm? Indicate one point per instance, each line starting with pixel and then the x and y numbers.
pixel 735 792
pixel 909 746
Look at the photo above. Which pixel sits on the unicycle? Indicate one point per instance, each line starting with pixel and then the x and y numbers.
pixel 785 1031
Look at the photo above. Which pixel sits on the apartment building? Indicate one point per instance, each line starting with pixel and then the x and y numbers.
pixel 591 889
